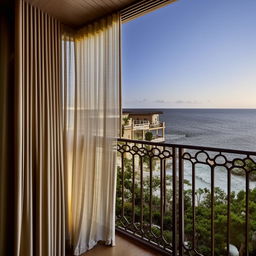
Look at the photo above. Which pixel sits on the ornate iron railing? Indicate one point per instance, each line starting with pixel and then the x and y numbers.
pixel 187 200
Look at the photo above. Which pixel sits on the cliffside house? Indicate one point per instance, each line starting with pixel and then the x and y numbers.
pixel 143 125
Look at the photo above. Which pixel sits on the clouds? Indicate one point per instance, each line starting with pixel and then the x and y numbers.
pixel 215 102
pixel 161 103
pixel 190 102
pixel 180 102
pixel 138 101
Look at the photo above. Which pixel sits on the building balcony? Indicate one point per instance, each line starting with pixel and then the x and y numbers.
pixel 145 125
pixel 157 125
pixel 140 125
pixel 187 200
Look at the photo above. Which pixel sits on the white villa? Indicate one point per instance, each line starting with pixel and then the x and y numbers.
pixel 143 125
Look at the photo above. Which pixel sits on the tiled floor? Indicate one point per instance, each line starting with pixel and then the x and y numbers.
pixel 124 247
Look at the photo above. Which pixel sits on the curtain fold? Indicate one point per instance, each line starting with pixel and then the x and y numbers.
pixel 7 130
pixel 91 121
pixel 40 220
pixel 66 129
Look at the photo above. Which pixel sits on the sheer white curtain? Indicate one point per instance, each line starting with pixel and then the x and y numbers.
pixel 91 117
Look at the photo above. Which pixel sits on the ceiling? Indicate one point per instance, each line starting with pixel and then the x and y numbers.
pixel 78 12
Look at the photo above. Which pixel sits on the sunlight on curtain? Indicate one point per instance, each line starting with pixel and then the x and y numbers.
pixel 40 227
pixel 91 117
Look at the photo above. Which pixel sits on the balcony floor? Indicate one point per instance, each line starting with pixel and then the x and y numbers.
pixel 124 247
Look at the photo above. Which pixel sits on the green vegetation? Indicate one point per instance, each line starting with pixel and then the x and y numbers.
pixel 242 168
pixel 126 120
pixel 148 136
pixel 202 212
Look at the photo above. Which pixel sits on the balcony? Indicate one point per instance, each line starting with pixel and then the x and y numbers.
pixel 187 200
pixel 144 125
pixel 124 247
pixel 157 125
pixel 141 125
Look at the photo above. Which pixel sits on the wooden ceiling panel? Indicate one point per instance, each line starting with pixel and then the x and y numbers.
pixel 76 13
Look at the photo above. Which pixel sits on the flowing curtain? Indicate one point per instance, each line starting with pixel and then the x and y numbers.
pixel 40 225
pixel 91 118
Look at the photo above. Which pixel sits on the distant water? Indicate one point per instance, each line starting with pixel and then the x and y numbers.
pixel 226 128
pixel 222 128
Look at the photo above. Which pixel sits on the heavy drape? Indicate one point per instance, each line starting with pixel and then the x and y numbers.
pixel 7 132
pixel 91 118
pixel 40 222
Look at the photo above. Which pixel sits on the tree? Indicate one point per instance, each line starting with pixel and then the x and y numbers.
pixel 202 210
pixel 148 136
pixel 126 120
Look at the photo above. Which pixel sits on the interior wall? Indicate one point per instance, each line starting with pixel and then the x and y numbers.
pixel 7 131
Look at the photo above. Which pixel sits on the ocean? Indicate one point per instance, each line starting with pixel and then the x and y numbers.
pixel 222 128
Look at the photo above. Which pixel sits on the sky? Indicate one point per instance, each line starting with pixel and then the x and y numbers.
pixel 191 54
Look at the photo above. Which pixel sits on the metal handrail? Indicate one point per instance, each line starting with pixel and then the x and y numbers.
pixel 162 144
pixel 138 158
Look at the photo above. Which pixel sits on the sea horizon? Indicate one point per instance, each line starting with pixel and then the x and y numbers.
pixel 192 108
pixel 229 128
